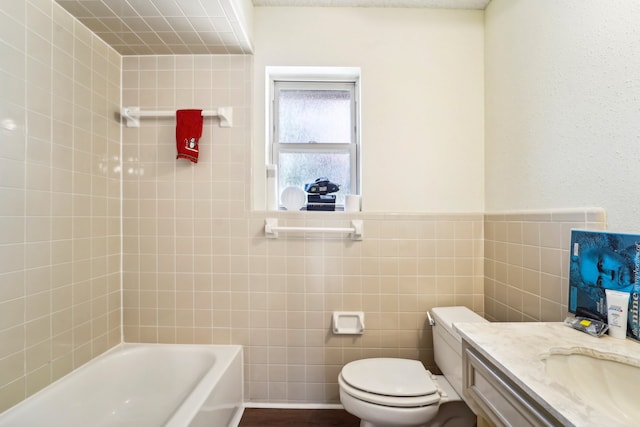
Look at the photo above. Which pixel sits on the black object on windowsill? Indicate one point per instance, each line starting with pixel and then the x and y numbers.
pixel 318 197
pixel 321 202
pixel 321 186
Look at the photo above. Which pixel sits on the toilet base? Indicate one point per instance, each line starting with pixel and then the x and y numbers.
pixel 451 414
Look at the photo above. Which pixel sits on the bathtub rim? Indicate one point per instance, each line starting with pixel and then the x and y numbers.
pixel 197 397
pixel 237 351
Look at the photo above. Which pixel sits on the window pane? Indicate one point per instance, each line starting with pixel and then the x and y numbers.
pixel 314 116
pixel 300 168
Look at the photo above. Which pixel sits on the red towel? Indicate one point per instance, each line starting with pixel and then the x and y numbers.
pixel 188 133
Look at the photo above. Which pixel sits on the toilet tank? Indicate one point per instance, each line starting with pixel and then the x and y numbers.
pixel 447 343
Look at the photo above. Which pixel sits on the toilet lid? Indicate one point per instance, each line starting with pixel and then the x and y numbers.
pixel 389 376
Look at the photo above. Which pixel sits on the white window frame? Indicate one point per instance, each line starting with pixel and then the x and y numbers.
pixel 324 78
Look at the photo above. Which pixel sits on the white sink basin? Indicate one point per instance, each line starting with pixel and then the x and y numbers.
pixel 604 381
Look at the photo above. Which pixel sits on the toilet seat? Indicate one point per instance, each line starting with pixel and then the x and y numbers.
pixel 400 383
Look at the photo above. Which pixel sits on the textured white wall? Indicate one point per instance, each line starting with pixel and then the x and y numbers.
pixel 422 97
pixel 563 106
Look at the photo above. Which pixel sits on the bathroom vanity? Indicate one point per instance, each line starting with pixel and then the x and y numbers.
pixel 548 374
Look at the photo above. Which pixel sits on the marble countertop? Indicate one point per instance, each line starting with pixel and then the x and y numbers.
pixel 517 349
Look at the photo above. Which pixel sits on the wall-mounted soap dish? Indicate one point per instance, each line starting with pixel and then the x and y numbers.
pixel 348 322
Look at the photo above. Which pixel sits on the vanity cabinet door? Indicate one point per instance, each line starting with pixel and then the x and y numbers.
pixel 493 396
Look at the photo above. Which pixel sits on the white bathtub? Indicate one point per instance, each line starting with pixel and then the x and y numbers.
pixel 142 385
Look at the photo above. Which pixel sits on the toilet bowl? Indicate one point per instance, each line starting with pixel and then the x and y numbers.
pixel 393 392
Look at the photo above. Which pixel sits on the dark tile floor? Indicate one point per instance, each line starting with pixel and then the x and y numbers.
pixel 259 417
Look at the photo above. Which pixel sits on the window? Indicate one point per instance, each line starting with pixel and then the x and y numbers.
pixel 314 132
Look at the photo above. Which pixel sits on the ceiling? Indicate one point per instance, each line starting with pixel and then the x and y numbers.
pixel 164 27
pixel 440 4
pixel 176 27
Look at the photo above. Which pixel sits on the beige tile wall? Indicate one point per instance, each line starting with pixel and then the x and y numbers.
pixel 198 268
pixel 59 197
pixel 196 265
pixel 527 261
pixel 404 266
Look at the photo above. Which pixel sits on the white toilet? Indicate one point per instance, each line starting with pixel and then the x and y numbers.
pixel 390 392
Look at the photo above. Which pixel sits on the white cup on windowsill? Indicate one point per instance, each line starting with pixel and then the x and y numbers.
pixel 352 203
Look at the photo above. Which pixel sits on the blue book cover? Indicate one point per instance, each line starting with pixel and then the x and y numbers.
pixel 602 260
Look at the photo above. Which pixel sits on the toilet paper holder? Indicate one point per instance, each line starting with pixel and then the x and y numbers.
pixel 348 322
